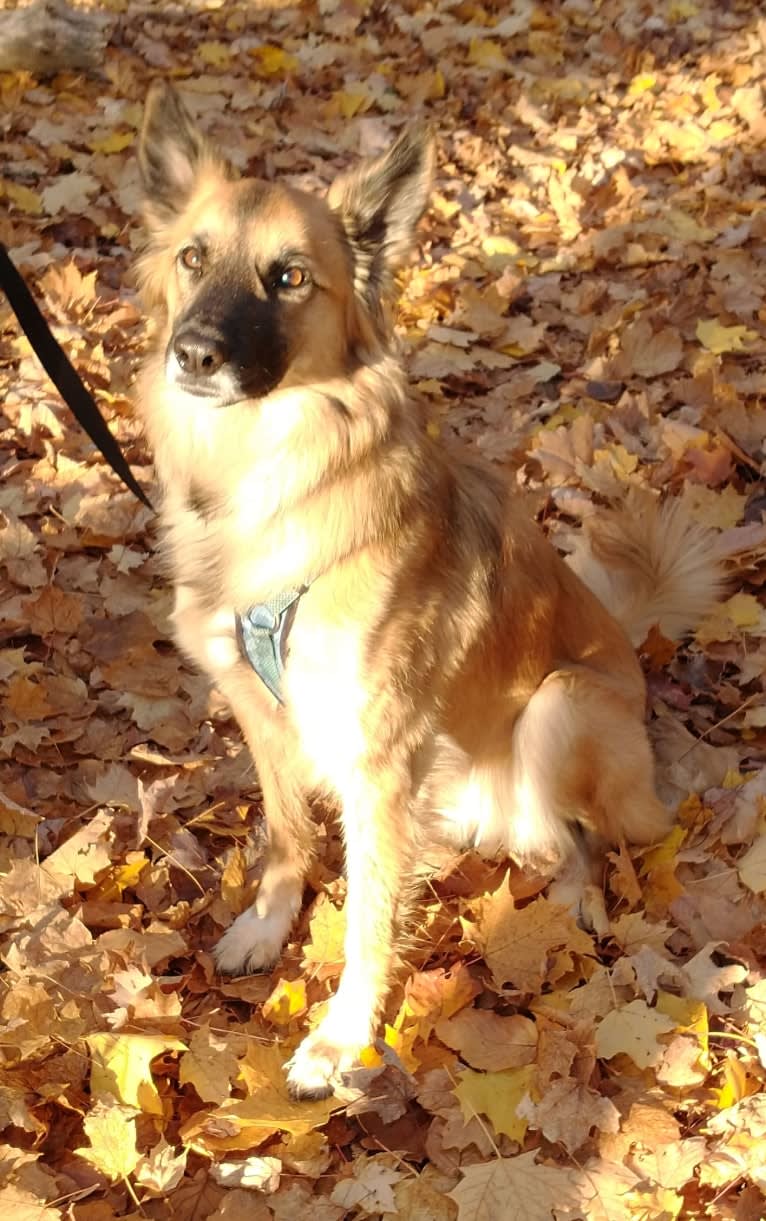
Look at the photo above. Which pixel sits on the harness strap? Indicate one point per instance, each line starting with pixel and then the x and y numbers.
pixel 262 635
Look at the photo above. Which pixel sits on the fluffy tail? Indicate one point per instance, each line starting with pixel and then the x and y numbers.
pixel 650 563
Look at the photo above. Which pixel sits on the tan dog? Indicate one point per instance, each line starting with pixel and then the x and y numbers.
pixel 438 670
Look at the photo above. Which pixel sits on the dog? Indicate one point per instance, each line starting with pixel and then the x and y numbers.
pixel 390 628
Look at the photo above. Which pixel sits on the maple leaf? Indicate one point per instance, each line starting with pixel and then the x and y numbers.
pixel 161 1170
pixel 648 353
pixel 111 1130
pixel 704 980
pixel 267 1108
pixel 487 1041
pixel 370 1189
pixel 120 1067
pixel 516 1189
pixel 71 194
pixel 496 1095
pixel 286 1001
pixel 718 338
pixel 752 866
pixel 323 953
pixel 24 1205
pixel 256 1173
pixel 209 1065
pixel 517 942
pixel 568 1112
pixel 85 854
pixel 632 1030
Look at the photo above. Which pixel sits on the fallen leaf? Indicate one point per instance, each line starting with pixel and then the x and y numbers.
pixel 487 1041
pixel 111 1130
pixel 514 1188
pixel 718 338
pixel 496 1095
pixel 632 1030
pixel 121 1067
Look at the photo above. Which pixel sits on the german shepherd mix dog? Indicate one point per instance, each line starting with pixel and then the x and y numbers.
pixel 389 628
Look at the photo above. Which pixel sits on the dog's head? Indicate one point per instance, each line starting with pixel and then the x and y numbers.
pixel 261 285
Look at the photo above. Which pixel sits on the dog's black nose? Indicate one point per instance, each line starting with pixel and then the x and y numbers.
pixel 199 354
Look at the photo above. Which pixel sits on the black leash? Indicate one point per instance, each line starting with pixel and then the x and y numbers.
pixel 63 374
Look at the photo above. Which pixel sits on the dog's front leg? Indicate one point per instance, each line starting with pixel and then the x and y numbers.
pixel 256 937
pixel 378 835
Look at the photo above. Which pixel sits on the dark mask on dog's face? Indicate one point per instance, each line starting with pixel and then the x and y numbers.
pixel 263 286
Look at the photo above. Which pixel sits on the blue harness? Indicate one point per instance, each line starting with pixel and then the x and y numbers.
pixel 262 635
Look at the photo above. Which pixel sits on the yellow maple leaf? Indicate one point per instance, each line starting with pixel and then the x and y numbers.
pixel 659 868
pixel 215 54
pixel 120 1067
pixel 665 852
pixel 115 142
pixel 23 198
pixel 111 1130
pixel 718 509
pixel 351 101
pixel 690 1017
pixel 495 244
pixel 497 1096
pixel 120 878
pixel 718 338
pixel 273 59
pixel 616 459
pixel 437 87
pixel 735 1083
pixel 681 10
pixel 267 1109
pixel 641 84
pixel 286 1001
pixel 485 53
pixel 234 880
pixel 517 943
pixel 323 953
pixel 161 1170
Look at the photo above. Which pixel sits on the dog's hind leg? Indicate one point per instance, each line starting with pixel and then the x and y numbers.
pixel 582 775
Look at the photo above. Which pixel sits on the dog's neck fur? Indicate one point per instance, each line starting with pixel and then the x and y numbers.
pixel 373 432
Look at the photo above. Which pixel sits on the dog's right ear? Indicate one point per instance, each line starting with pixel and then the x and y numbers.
pixel 172 152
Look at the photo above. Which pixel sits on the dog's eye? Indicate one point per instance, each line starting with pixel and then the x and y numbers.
pixel 293 277
pixel 191 258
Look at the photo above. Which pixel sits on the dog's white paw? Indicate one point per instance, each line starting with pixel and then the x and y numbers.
pixel 317 1067
pixel 253 942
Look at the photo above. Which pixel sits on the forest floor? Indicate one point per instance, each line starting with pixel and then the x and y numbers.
pixel 588 311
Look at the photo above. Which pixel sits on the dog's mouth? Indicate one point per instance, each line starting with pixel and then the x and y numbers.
pixel 215 396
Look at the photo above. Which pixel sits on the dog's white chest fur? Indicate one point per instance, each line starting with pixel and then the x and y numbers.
pixel 325 695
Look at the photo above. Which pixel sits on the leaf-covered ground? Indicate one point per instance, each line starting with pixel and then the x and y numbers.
pixel 589 312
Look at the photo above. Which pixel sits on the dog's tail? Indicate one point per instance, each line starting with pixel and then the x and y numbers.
pixel 650 563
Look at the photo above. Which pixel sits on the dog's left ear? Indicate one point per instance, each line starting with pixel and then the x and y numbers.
pixel 380 203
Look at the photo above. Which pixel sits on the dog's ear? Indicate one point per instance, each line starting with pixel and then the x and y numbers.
pixel 380 203
pixel 172 152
